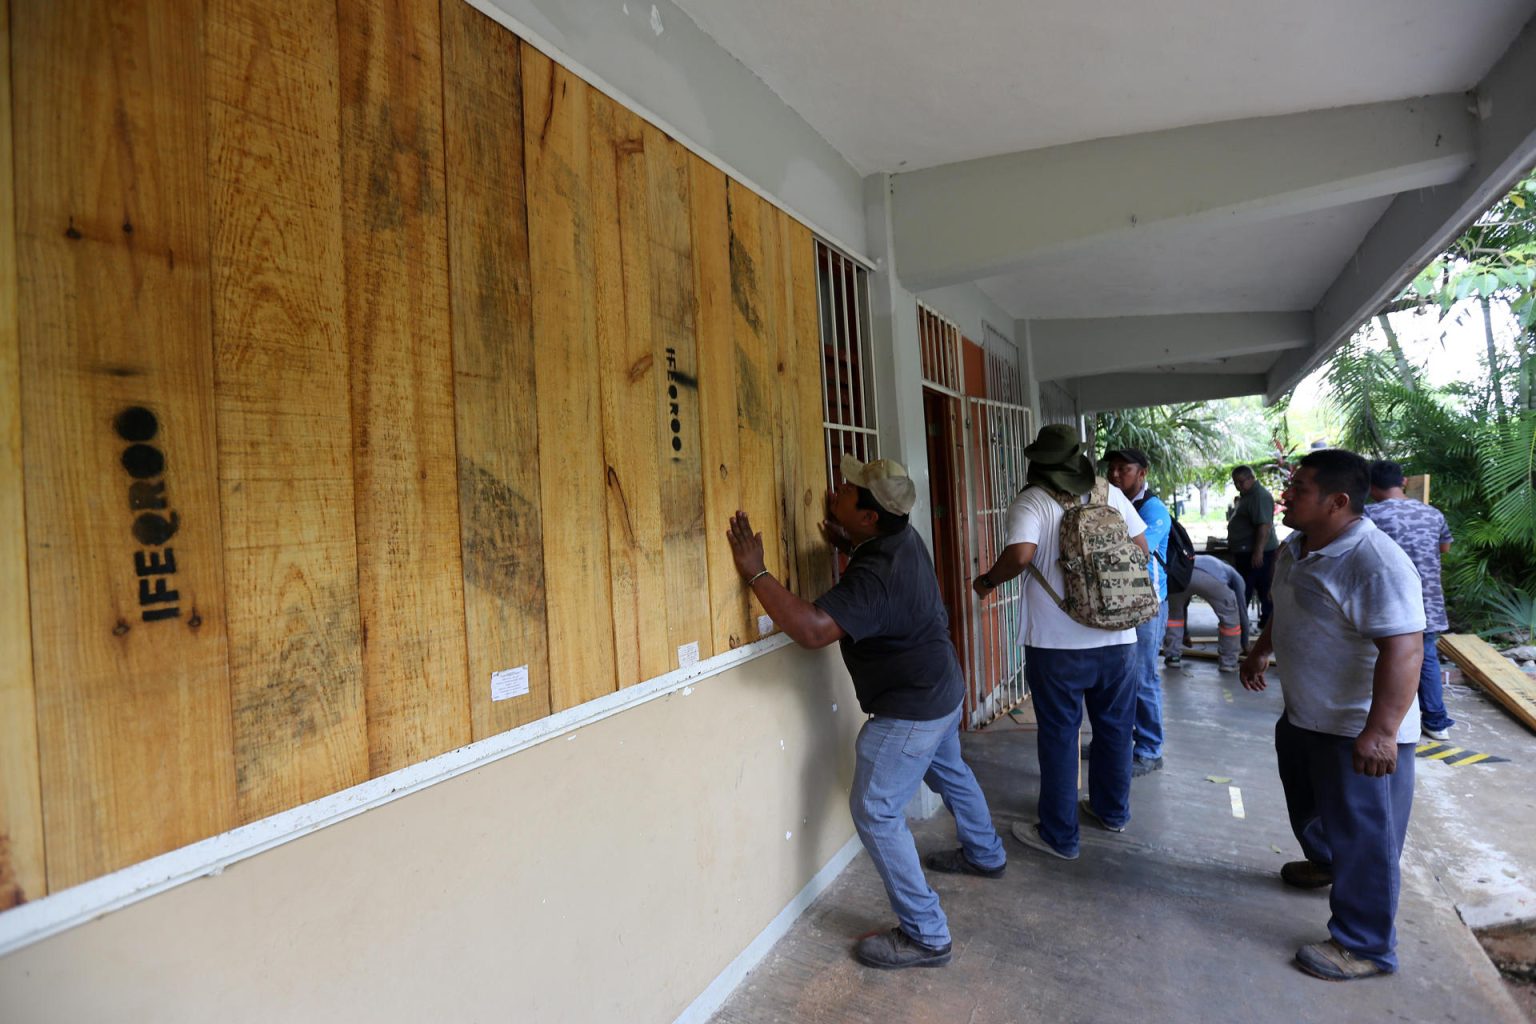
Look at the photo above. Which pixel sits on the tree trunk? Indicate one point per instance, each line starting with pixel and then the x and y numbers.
pixel 1493 362
pixel 1404 371
pixel 1204 489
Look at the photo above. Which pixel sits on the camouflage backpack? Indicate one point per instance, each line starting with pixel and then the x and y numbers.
pixel 1107 583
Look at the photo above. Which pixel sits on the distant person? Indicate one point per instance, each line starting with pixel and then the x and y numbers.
pixel 1221 586
pixel 1251 537
pixel 1068 664
pixel 1423 533
pixel 887 615
pixel 1127 470
pixel 1348 632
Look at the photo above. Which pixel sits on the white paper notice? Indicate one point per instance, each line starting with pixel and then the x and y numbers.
pixel 688 655
pixel 509 683
pixel 764 625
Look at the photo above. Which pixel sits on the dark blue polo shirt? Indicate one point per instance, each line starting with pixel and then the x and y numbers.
pixel 898 649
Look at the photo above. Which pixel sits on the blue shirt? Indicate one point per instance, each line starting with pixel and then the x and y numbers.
pixel 1418 529
pixel 1159 524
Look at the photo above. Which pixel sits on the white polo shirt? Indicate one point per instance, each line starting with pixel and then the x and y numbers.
pixel 1329 608
pixel 1035 518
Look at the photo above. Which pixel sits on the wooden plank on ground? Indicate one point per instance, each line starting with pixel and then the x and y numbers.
pixel 501 524
pixel 22 872
pixel 813 554
pixel 631 389
pixel 572 471
pixel 285 436
pixel 676 352
pixel 1495 674
pixel 119 451
pixel 410 574
pixel 719 444
pixel 753 322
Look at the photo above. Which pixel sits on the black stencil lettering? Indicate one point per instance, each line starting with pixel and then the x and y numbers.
pixel 155 563
pixel 143 461
pixel 156 614
pixel 154 530
pixel 144 494
pixel 136 423
pixel 677 443
pixel 160 593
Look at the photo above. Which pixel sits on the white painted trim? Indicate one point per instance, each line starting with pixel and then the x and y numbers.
pixel 602 85
pixel 719 990
pixel 32 922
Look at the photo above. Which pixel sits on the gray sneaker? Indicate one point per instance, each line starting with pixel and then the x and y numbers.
pixel 1438 735
pixel 1087 809
pixel 1029 835
pixel 1332 962
pixel 895 949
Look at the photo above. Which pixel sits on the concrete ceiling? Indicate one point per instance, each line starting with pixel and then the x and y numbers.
pixel 1182 267
pixel 907 84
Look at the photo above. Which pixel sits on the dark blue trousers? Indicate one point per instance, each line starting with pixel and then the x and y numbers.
pixel 1431 690
pixel 1353 823
pixel 1061 684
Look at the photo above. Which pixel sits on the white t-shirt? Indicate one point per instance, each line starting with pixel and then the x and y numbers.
pixel 1330 607
pixel 1035 518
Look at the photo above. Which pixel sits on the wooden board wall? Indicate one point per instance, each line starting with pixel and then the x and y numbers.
pixel 382 386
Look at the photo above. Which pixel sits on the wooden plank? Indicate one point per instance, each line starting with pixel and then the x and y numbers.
pixel 501 524
pixel 673 298
pixel 119 451
pixel 780 326
pixel 1500 679
pixel 22 872
pixel 410 576
pixel 572 471
pixel 285 436
pixel 1417 488
pixel 753 322
pixel 814 557
pixel 719 445
pixel 631 389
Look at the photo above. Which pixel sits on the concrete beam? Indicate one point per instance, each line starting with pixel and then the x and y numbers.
pixel 1073 348
pixel 979 218
pixel 1419 225
pixel 1108 391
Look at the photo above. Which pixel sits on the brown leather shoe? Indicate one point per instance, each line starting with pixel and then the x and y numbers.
pixel 1306 874
pixel 1332 962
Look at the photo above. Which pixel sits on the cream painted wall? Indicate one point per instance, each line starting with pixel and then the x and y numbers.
pixel 606 875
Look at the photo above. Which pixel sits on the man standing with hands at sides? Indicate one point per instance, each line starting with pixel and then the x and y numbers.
pixel 1348 636
pixel 1251 538
pixel 1128 471
pixel 1068 665
pixel 888 616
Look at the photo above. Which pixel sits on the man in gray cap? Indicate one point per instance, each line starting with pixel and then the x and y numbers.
pixel 887 614
pixel 1067 664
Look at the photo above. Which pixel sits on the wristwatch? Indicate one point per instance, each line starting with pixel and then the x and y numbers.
pixel 985 579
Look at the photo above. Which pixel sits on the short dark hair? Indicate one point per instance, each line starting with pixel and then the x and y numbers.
pixel 1386 474
pixel 1340 472
pixel 887 522
pixel 1238 471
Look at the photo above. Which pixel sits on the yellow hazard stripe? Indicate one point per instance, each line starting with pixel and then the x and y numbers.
pixel 1468 760
pixel 1448 752
pixel 1423 748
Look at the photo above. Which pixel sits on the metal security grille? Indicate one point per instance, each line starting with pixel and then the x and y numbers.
pixel 943 367
pixel 1004 381
pixel 848 398
pixel 997 432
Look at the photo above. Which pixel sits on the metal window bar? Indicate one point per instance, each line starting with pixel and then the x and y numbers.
pixel 1004 381
pixel 997 433
pixel 942 364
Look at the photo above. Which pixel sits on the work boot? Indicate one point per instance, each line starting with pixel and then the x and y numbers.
pixel 1306 874
pixel 1173 661
pixel 895 948
pixel 955 862
pixel 1332 962
pixel 1145 766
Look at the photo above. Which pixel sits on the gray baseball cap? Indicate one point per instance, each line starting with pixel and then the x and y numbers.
pixel 886 480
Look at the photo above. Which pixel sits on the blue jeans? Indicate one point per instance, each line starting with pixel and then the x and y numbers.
pixel 1431 691
pixel 894 755
pixel 1061 683
pixel 1353 823
pixel 1148 729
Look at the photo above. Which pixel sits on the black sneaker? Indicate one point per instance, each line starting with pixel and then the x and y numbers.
pixel 1145 766
pixel 955 862
pixel 894 949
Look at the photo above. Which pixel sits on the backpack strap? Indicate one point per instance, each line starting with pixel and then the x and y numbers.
pixel 1037 574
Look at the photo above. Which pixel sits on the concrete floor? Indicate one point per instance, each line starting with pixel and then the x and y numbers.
pixel 1183 917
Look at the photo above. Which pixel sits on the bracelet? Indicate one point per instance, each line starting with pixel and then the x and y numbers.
pixel 759 576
